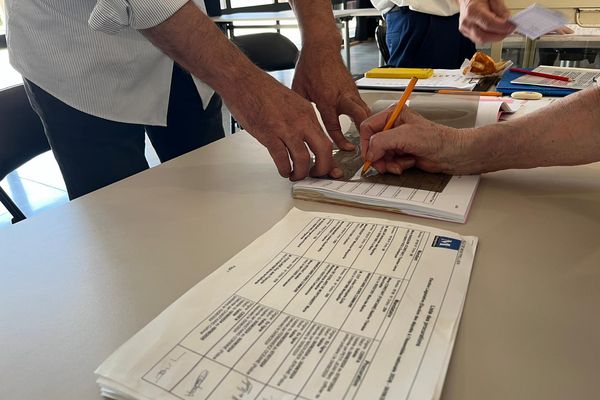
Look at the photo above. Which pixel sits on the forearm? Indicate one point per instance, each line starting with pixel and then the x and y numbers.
pixel 192 40
pixel 317 24
pixel 565 133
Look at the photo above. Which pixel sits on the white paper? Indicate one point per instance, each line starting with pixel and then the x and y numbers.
pixel 581 78
pixel 323 306
pixel 441 79
pixel 536 20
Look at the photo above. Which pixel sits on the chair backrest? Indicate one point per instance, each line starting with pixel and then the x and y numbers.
pixel 270 51
pixel 381 43
pixel 21 131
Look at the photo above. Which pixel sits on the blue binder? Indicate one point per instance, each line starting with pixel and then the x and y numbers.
pixel 505 87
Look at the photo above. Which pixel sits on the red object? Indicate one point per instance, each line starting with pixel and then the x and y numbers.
pixel 541 74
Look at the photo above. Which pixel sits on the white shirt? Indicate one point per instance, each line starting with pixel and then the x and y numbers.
pixel 442 8
pixel 89 54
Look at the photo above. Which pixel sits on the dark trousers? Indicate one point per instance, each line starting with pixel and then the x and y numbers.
pixel 418 40
pixel 93 152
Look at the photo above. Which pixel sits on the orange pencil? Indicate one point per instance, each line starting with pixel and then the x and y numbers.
pixel 392 120
pixel 469 93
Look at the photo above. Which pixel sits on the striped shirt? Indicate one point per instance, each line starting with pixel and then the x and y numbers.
pixel 90 55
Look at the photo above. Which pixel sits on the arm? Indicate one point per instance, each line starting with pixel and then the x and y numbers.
pixel 565 133
pixel 320 73
pixel 277 117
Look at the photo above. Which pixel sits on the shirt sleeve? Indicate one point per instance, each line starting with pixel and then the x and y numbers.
pixel 112 16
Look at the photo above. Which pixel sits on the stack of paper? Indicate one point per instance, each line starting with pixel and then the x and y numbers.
pixel 415 192
pixel 323 306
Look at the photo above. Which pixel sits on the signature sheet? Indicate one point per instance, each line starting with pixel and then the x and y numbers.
pixel 322 306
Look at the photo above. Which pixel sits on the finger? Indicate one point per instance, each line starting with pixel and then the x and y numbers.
pixel 479 35
pixel 332 125
pixel 487 21
pixel 322 149
pixel 383 142
pixel 300 158
pixel 355 108
pixel 370 127
pixel 280 156
pixel 400 165
pixel 396 166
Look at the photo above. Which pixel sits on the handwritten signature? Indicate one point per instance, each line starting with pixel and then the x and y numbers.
pixel 198 383
pixel 167 367
pixel 244 388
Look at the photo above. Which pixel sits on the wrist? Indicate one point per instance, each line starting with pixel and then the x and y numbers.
pixel 469 157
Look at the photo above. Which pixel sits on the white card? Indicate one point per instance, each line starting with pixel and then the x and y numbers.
pixel 536 20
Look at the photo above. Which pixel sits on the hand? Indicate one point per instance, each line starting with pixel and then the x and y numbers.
pixel 322 78
pixel 415 141
pixel 563 30
pixel 484 20
pixel 285 124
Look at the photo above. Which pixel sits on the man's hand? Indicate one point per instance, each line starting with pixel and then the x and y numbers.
pixel 285 123
pixel 279 118
pixel 415 141
pixel 484 20
pixel 322 78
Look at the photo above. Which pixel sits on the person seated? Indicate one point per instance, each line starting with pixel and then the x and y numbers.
pixel 566 132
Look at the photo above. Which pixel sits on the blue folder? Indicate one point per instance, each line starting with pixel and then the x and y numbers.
pixel 505 87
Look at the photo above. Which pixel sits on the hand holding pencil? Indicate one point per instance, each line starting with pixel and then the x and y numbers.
pixel 392 120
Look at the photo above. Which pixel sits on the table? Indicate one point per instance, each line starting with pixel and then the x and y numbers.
pixel 343 16
pixel 79 280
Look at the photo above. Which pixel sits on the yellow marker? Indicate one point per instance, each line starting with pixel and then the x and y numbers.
pixel 399 73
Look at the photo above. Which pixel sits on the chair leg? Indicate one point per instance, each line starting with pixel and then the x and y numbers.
pixel 232 124
pixel 11 207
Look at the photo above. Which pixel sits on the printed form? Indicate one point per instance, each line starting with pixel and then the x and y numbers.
pixel 322 306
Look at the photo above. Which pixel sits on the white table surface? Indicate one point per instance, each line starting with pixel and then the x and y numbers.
pixel 78 281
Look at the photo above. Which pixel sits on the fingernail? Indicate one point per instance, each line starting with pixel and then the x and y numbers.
pixel 349 146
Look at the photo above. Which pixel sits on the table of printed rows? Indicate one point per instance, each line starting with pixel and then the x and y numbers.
pixel 310 322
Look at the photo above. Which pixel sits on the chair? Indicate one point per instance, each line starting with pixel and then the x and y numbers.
pixel 381 43
pixel 21 138
pixel 270 51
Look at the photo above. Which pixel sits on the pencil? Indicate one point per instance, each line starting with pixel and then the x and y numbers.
pixel 541 74
pixel 392 120
pixel 469 93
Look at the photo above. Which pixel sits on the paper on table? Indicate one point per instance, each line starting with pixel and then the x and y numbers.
pixel 581 78
pixel 536 20
pixel 323 306
pixel 441 79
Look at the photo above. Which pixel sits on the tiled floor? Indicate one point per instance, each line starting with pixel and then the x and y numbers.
pixel 38 186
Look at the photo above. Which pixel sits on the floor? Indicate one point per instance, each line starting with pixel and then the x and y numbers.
pixel 38 185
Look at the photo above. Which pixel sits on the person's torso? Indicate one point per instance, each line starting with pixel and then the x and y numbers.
pixel 442 8
pixel 121 77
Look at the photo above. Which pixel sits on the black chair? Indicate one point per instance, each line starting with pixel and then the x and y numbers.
pixel 21 138
pixel 381 43
pixel 270 51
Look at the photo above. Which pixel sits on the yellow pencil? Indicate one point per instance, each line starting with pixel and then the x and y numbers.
pixel 392 120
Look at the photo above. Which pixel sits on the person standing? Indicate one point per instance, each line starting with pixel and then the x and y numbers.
pixel 101 72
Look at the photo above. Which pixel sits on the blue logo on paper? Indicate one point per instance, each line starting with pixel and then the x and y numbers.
pixel 446 243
